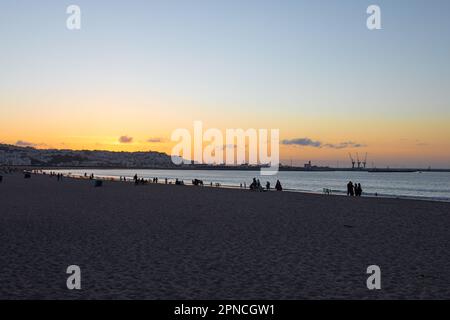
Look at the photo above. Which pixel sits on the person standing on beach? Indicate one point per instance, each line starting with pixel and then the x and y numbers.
pixel 359 188
pixel 278 186
pixel 350 189
pixel 268 185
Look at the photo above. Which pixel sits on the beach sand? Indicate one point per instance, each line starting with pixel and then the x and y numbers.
pixel 184 242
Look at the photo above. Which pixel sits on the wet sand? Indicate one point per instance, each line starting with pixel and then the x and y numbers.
pixel 183 242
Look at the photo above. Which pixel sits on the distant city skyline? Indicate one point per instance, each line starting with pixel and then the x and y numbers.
pixel 138 70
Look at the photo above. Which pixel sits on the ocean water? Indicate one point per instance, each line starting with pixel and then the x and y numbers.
pixel 425 185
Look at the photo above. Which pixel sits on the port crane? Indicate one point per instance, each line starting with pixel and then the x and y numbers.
pixel 365 161
pixel 352 160
pixel 358 163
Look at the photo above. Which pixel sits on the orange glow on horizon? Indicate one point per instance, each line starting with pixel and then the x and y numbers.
pixel 393 141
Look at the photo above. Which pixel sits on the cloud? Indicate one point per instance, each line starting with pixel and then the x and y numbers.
pixel 155 140
pixel 125 139
pixel 21 143
pixel 302 142
pixel 343 145
pixel 307 142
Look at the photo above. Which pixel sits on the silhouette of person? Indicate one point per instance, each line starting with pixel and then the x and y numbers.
pixel 278 186
pixel 253 185
pixel 359 190
pixel 350 189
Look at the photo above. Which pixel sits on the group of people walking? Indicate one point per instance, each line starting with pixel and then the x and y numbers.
pixel 354 189
pixel 141 180
pixel 154 180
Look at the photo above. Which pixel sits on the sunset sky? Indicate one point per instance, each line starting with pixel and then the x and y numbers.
pixel 138 70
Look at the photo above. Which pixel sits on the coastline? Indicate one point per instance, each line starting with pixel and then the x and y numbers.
pixel 333 192
pixel 233 168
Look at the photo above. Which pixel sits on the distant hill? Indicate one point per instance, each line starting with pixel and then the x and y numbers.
pixel 29 156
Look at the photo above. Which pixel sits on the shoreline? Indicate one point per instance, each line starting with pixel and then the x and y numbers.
pixel 333 192
pixel 233 168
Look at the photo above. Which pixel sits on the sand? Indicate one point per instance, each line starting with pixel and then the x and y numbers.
pixel 184 242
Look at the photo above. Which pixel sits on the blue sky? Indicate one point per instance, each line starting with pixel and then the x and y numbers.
pixel 234 50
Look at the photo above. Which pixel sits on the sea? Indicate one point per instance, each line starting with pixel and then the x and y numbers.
pixel 416 185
